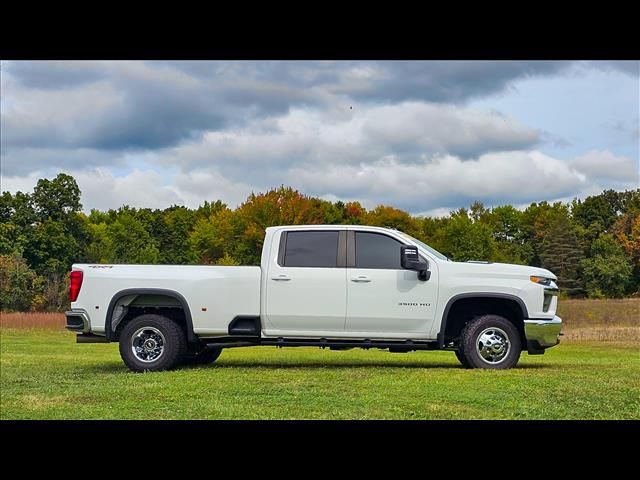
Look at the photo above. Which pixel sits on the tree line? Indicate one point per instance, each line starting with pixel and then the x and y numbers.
pixel 592 245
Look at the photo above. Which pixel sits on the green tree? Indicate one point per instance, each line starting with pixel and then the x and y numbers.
pixel 17 209
pixel 537 221
pixel 51 249
pixel 477 211
pixel 385 216
pixel 11 240
pixel 281 206
pixel 212 238
pixel 56 198
pixel 627 232
pixel 608 272
pixel 506 224
pixel 17 217
pixel 131 242
pixel 601 210
pixel 432 231
pixel 173 236
pixel 464 239
pixel 227 260
pixel 561 253
pixel 209 208
pixel 101 248
pixel 18 283
pixel 354 213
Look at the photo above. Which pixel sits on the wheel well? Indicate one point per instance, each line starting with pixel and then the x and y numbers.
pixel 129 304
pixel 464 310
pixel 176 314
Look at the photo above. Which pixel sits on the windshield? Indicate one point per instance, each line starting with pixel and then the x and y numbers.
pixel 433 251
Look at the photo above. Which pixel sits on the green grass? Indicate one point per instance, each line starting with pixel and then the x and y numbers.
pixel 45 375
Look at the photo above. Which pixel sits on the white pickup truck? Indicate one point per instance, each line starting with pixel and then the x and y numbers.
pixel 331 286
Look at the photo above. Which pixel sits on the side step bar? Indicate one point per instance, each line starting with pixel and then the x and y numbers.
pixel 90 338
pixel 394 346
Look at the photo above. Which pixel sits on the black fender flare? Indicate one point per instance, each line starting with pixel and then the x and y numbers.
pixel 191 337
pixel 460 296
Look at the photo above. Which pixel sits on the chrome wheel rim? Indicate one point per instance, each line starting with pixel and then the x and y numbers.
pixel 147 344
pixel 493 345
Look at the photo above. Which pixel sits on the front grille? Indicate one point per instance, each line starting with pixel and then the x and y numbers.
pixel 547 302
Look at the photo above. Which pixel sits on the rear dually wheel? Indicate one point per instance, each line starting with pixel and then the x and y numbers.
pixel 152 343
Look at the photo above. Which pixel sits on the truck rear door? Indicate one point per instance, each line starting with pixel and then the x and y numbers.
pixel 306 283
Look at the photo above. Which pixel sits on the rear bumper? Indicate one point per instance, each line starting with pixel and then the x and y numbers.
pixel 542 334
pixel 77 321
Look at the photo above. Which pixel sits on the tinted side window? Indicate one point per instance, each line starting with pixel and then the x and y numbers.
pixel 311 249
pixel 374 250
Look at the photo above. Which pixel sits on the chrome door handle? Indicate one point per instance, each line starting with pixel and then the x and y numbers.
pixel 281 278
pixel 361 279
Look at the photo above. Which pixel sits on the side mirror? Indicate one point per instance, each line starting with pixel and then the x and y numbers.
pixel 410 260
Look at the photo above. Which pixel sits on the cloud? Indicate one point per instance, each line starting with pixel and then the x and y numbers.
pixel 407 132
pixel 145 105
pixel 141 188
pixel 434 185
pixel 444 81
pixel 150 189
pixel 602 165
pixel 24 160
pixel 513 177
pixel 629 67
pixel 403 133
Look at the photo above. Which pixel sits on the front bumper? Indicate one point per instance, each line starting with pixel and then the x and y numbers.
pixel 542 334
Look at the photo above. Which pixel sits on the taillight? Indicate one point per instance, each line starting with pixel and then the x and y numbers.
pixel 74 285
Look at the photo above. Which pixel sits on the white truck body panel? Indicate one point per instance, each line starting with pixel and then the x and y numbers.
pixel 224 292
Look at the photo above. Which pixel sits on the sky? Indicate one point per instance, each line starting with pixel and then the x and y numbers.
pixel 425 136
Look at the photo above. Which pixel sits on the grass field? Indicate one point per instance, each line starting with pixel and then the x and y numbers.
pixel 593 374
pixel 46 375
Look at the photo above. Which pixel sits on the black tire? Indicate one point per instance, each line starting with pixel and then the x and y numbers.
pixel 171 337
pixel 461 358
pixel 496 330
pixel 204 356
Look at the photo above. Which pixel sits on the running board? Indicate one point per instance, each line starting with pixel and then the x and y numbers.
pixel 405 345
pixel 397 346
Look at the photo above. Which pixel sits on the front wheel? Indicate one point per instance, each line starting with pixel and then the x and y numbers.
pixel 152 343
pixel 490 341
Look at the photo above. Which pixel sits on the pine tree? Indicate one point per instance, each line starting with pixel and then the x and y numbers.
pixel 561 253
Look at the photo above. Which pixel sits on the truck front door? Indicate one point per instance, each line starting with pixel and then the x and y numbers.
pixel 385 300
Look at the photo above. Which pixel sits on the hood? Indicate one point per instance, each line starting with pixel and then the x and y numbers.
pixel 504 268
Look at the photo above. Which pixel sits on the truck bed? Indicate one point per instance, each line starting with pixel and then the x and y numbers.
pixel 215 294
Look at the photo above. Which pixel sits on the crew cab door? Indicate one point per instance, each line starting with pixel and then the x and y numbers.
pixel 383 298
pixel 306 284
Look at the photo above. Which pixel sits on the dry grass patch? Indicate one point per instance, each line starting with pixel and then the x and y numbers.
pixel 601 320
pixel 28 320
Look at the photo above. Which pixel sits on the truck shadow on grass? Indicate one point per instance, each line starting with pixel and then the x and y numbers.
pixel 343 365
pixel 271 365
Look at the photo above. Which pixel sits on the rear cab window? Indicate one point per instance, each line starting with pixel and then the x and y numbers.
pixel 315 249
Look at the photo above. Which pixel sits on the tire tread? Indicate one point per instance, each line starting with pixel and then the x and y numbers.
pixel 468 341
pixel 175 346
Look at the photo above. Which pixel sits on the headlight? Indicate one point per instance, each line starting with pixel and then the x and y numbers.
pixel 541 280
